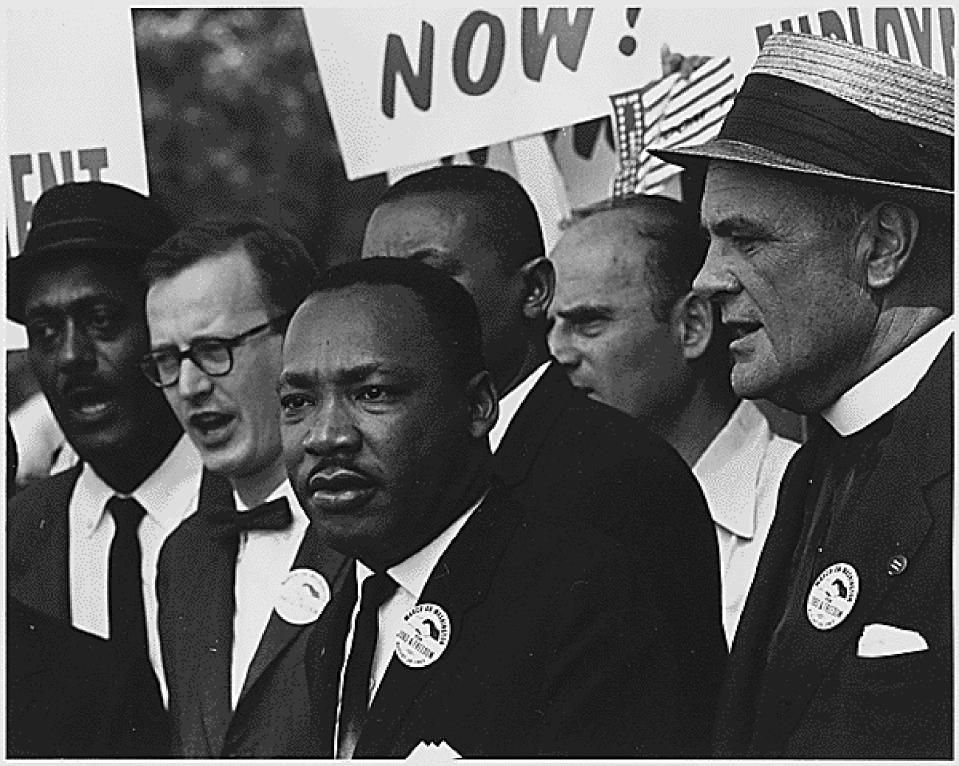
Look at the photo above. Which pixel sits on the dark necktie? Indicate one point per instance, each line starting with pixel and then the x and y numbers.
pixel 140 719
pixel 128 629
pixel 354 705
pixel 274 515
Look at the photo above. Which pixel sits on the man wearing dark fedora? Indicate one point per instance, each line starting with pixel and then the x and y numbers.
pixel 84 674
pixel 828 200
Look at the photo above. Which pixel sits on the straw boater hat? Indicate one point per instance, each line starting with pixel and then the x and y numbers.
pixel 91 218
pixel 829 108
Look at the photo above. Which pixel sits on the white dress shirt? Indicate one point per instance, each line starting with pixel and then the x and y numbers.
pixel 263 560
pixel 740 472
pixel 510 403
pixel 410 576
pixel 889 385
pixel 169 495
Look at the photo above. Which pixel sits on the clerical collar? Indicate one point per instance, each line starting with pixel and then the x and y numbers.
pixel 886 387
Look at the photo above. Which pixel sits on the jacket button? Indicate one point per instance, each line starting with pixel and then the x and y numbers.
pixel 897 565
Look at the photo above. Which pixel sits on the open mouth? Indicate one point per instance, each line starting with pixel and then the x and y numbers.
pixel 339 489
pixel 210 426
pixel 742 329
pixel 89 403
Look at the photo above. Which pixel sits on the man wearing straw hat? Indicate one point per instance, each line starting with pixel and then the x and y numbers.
pixel 828 200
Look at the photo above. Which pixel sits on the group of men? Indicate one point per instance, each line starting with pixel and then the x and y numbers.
pixel 459 497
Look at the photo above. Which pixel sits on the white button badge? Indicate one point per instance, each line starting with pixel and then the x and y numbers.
pixel 424 636
pixel 832 596
pixel 304 594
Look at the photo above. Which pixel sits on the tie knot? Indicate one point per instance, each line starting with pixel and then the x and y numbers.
pixel 377 588
pixel 127 513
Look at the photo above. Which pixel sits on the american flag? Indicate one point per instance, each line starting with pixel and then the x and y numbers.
pixel 669 113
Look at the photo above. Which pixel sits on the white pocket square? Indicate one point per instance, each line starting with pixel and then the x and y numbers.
pixel 430 752
pixel 888 640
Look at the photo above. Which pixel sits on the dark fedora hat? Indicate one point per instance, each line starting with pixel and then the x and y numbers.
pixel 829 108
pixel 93 217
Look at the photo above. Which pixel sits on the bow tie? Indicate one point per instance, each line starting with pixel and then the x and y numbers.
pixel 274 515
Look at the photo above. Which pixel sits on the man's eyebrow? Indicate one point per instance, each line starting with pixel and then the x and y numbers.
pixel 351 375
pixel 295 380
pixel 739 225
pixel 448 262
pixel 585 313
pixel 83 303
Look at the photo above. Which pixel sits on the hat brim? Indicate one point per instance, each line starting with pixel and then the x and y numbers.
pixel 20 269
pixel 695 158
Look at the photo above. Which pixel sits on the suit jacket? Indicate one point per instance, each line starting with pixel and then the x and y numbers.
pixel 571 456
pixel 195 590
pixel 64 685
pixel 553 651
pixel 817 698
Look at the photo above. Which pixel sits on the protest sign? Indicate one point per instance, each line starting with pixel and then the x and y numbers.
pixel 72 109
pixel 410 85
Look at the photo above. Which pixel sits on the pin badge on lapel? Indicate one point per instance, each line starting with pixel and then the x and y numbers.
pixel 832 596
pixel 424 636
pixel 303 595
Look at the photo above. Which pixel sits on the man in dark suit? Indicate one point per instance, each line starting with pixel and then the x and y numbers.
pixel 239 590
pixel 556 450
pixel 480 628
pixel 829 207
pixel 84 670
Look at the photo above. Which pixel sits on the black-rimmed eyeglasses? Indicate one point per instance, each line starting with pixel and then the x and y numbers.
pixel 214 356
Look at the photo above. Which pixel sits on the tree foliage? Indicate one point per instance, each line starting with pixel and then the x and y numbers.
pixel 235 122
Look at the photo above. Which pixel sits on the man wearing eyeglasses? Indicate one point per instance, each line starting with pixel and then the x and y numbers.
pixel 239 589
pixel 84 671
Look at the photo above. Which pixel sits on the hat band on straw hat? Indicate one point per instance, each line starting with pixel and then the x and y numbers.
pixel 815 127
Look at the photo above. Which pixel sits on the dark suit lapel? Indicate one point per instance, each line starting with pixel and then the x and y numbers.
pixel 312 554
pixel 531 425
pixel 205 614
pixel 458 582
pixel 39 557
pixel 736 708
pixel 898 521
pixel 324 657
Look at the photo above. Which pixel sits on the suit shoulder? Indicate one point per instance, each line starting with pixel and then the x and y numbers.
pixel 606 428
pixel 41 499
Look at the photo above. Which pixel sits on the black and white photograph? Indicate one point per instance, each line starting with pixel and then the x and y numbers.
pixel 432 382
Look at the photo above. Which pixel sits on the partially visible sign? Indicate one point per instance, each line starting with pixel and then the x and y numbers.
pixel 72 108
pixel 406 86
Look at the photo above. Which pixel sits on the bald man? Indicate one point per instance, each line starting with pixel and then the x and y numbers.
pixel 629 331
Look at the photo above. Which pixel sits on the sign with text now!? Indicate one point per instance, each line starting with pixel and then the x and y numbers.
pixel 407 85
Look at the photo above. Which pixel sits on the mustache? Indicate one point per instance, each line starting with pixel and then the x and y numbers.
pixel 336 464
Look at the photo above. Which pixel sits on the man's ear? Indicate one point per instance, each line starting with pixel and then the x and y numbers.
pixel 539 282
pixel 886 239
pixel 483 403
pixel 692 319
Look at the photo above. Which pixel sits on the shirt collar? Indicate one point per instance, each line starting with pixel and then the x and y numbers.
pixel 510 403
pixel 168 495
pixel 728 470
pixel 886 387
pixel 412 573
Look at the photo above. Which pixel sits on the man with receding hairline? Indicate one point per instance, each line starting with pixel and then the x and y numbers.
pixel 629 331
